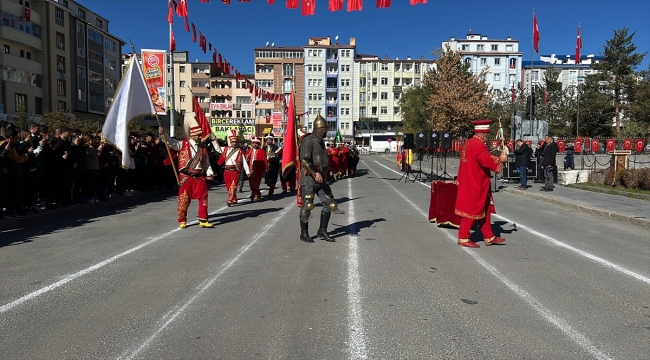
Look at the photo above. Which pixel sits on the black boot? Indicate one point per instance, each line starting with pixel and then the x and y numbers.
pixel 304 232
pixel 322 229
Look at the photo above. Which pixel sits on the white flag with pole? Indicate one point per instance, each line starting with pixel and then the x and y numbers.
pixel 131 100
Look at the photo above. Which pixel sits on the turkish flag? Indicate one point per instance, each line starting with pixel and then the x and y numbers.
pixel 290 151
pixel 199 116
pixel 355 5
pixel 577 148
pixel 561 145
pixel 535 34
pixel 170 13
pixel 610 144
pixel 205 1
pixel 172 42
pixel 181 9
pixel 187 24
pixel 336 5
pixel 271 2
pixel 415 2
pixel 292 4
pixel 220 62
pixel 578 46
pixel 627 144
pixel 193 33
pixel 512 95
pixel 595 146
pixel 268 119
pixel 511 145
pixel 227 2
pixel 639 144
pixel 202 42
pixel 214 55
pixel 308 7
pixel 383 3
pixel 210 46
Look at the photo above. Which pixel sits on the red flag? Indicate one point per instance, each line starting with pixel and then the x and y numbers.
pixel 205 1
pixel 355 5
pixel 181 10
pixel 227 2
pixel 193 33
pixel 210 46
pixel 214 55
pixel 512 96
pixel 170 14
pixel 172 42
pixel 199 116
pixel 578 46
pixel 202 42
pixel 187 24
pixel 290 149
pixel 292 4
pixel 220 62
pixel 535 34
pixel 308 7
pixel 546 97
pixel 336 5
pixel 384 3
pixel 415 2
pixel 271 2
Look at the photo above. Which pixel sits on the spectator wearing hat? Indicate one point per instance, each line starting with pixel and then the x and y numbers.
pixel 474 200
pixel 256 159
pixel 522 162
pixel 194 173
pixel 232 158
pixel 273 156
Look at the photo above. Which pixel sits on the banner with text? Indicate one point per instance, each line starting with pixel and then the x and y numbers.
pixel 154 64
pixel 245 127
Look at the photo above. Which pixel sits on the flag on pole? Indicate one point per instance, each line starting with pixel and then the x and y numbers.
pixel 290 149
pixel 200 118
pixel 535 34
pixel 131 100
pixel 578 46
pixel 338 138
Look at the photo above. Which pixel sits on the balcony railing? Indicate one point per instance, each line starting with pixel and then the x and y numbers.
pixel 332 89
pixel 332 60
pixel 332 102
pixel 331 74
pixel 397 89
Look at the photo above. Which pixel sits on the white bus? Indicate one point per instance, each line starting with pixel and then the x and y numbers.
pixel 379 142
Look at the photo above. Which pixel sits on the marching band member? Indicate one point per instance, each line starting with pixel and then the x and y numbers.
pixel 257 163
pixel 232 157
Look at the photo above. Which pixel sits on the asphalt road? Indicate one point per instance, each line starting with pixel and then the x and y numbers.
pixel 126 283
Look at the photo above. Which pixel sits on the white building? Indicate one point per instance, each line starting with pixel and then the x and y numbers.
pixel 501 56
pixel 569 73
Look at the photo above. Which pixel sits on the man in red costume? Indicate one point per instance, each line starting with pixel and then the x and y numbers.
pixel 232 157
pixel 195 171
pixel 333 154
pixel 256 159
pixel 474 195
pixel 343 159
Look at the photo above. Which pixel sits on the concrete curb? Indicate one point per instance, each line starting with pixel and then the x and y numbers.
pixel 627 219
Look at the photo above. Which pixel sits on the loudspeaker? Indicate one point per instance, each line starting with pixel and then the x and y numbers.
pixel 420 141
pixel 409 141
pixel 445 142
pixel 434 141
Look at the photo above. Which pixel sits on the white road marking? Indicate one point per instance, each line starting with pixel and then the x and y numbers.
pixel 68 278
pixel 559 243
pixel 204 287
pixel 562 325
pixel 356 336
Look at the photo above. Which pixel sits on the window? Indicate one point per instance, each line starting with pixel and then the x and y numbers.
pixel 480 47
pixel 99 24
pixel 573 75
pixel 21 100
pixel 60 64
pixel 287 70
pixel 182 83
pixel 29 55
pixel 181 69
pixel 95 56
pixel 362 82
pixel 497 61
pixel 508 47
pixel 464 47
pixel 243 100
pixel 535 75
pixel 109 101
pixel 81 73
pixel 96 98
pixel 345 97
pixel 82 14
pixel 374 81
pixel 374 111
pixel 22 53
pixel 182 98
pixel 398 66
pixel 497 77
pixel 384 81
pixel 397 96
pixel 309 53
pixel 384 66
pixel 95 77
pixel 95 36
pixel 60 87
pixel 362 111
pixel 374 66
pixel 110 64
pixel 111 83
pixel 60 41
pixel 513 63
pixel 374 96
pixel 61 106
pixel 7 49
pixel 495 47
pixel 483 61
pixel 109 45
pixel 384 110
pixel 82 95
pixel 38 105
pixel 58 14
pixel 345 82
pixel 362 97
pixel 384 96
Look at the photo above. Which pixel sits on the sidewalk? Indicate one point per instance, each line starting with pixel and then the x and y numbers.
pixel 615 207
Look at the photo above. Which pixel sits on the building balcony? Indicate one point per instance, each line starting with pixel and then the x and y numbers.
pixel 332 60
pixel 221 92
pixel 397 88
pixel 332 89
pixel 332 102
pixel 332 118
pixel 362 89
pixel 332 74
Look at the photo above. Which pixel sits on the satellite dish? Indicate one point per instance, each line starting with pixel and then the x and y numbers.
pixel 336 37
pixel 272 44
pixel 267 43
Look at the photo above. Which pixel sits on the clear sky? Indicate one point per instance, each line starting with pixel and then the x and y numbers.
pixel 398 31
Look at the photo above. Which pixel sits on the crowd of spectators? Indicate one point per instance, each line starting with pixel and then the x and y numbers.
pixel 43 168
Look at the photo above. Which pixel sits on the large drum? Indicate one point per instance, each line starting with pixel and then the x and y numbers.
pixel 443 203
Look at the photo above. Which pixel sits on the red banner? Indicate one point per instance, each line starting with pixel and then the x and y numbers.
pixel 639 144
pixel 627 144
pixel 578 146
pixel 511 145
pixel 154 71
pixel 561 145
pixel 610 144
pixel 595 145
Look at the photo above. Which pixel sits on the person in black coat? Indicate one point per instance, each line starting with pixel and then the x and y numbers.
pixel 539 154
pixel 548 162
pixel 522 162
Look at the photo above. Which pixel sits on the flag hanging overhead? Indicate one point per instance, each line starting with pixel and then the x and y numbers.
pixel 181 9
pixel 308 7
pixel 355 5
pixel 336 5
pixel 292 4
pixel 131 100
pixel 535 34
pixel 578 46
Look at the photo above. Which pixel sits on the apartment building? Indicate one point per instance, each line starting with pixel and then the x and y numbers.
pixel 570 73
pixel 379 89
pixel 279 70
pixel 58 56
pixel 502 58
pixel 329 80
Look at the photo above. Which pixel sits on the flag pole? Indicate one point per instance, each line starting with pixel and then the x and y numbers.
pixel 172 121
pixel 578 87
pixel 532 45
pixel 171 161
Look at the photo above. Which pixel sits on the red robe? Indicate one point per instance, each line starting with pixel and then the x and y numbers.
pixel 473 180
pixel 343 160
pixel 258 165
pixel 232 158
pixel 334 161
pixel 192 187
